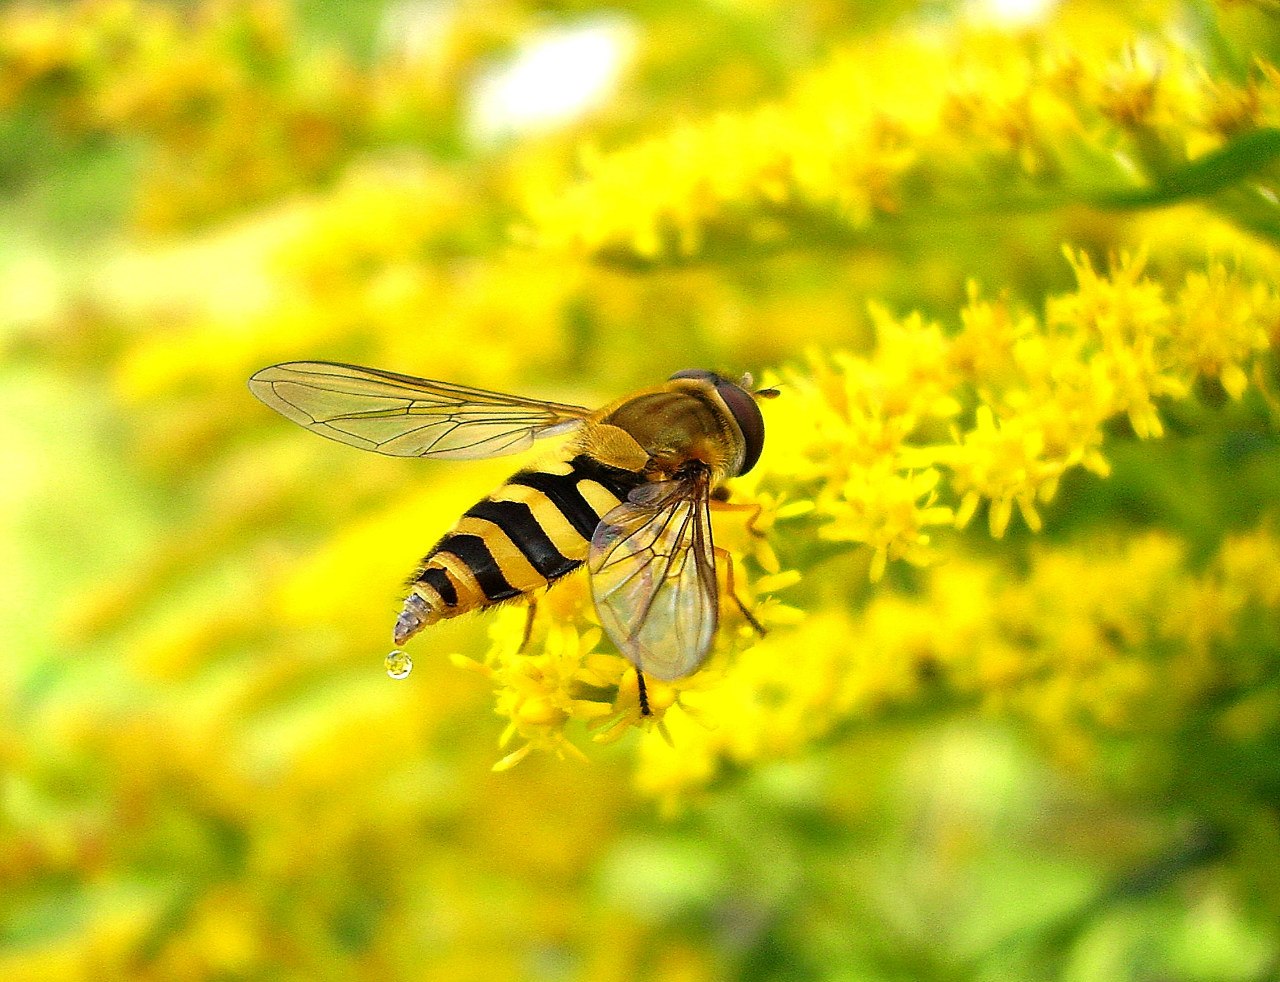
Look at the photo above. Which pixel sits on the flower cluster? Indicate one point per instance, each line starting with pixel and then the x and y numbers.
pixel 913 135
pixel 1067 647
pixel 550 669
pixel 232 103
pixel 1000 491
pixel 1025 399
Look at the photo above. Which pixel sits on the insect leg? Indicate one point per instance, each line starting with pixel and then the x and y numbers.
pixel 644 694
pixel 727 557
pixel 528 626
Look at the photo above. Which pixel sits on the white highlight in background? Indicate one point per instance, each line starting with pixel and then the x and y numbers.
pixel 554 77
pixel 1011 13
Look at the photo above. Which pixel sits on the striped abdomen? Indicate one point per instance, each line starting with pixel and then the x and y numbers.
pixel 530 532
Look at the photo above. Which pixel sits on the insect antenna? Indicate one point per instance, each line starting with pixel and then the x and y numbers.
pixel 748 382
pixel 644 694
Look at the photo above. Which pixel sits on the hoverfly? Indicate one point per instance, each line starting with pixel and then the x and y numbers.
pixel 629 497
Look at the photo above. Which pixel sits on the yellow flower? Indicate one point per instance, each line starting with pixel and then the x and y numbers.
pixel 1002 463
pixel 1222 322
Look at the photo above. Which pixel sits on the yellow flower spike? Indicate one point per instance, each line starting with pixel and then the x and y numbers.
pixel 615 720
pixel 566 750
pixel 661 695
pixel 1146 422
pixel 998 517
pixel 771 613
pixel 647 242
pixel 513 758
pixel 508 734
pixel 1234 381
pixel 665 732
pixel 629 690
pixel 794 509
pixel 603 668
pixel 879 561
pixel 1097 464
pixel 1027 508
pixel 767 558
pixel 590 710
pixel 968 505
pixel 539 712
pixel 935 515
pixel 776 582
pixel 471 665
pixel 611 728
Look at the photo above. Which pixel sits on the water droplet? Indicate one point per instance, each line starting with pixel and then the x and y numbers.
pixel 399 664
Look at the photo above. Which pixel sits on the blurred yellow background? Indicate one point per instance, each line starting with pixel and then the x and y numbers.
pixel 1013 266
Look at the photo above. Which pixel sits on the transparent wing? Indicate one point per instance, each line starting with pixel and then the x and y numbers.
pixel 405 416
pixel 653 577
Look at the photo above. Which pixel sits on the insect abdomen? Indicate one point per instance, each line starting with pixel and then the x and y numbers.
pixel 533 530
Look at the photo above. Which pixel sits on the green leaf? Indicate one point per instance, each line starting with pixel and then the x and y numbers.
pixel 1216 171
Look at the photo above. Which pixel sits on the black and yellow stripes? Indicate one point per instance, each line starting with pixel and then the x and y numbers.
pixel 438 580
pixel 530 532
pixel 516 520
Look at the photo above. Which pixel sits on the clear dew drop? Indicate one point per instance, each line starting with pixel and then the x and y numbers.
pixel 399 664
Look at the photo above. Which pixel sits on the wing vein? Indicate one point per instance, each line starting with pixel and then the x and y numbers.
pixel 653 577
pixel 404 416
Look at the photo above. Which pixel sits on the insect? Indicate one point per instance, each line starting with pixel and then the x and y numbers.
pixel 630 496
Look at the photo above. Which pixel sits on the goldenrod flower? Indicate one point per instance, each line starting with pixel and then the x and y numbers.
pixel 1001 494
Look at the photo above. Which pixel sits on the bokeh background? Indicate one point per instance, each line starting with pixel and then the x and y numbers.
pixel 1018 713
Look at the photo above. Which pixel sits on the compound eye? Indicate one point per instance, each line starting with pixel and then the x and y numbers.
pixel 749 419
pixel 701 374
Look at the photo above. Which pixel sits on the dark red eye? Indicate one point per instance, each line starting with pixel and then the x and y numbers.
pixel 747 415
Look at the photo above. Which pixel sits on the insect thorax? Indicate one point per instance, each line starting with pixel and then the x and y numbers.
pixel 676 426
